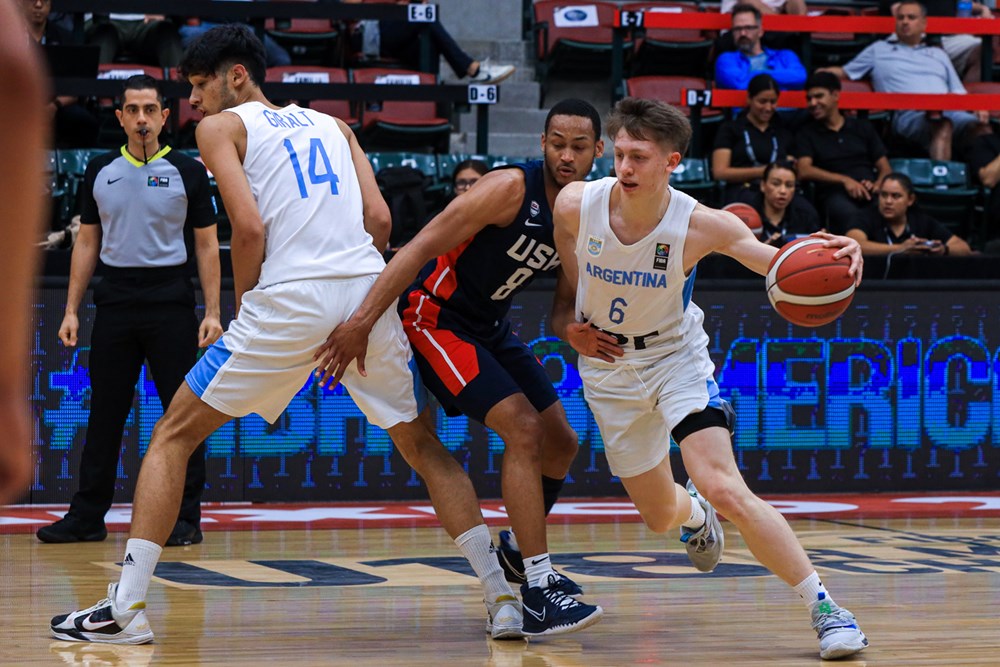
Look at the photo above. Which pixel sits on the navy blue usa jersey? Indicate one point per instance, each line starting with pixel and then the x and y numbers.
pixel 475 282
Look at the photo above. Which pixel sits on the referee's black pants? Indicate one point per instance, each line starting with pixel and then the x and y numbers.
pixel 142 314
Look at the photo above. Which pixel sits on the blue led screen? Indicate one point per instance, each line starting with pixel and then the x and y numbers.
pixel 900 394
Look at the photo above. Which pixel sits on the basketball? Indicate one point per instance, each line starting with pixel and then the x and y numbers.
pixel 806 285
pixel 748 214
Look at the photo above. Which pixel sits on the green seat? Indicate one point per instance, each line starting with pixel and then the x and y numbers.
pixel 603 166
pixel 692 176
pixel 943 191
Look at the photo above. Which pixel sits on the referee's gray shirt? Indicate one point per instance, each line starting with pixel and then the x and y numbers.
pixel 143 208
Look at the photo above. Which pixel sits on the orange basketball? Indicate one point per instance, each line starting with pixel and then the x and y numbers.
pixel 748 214
pixel 806 285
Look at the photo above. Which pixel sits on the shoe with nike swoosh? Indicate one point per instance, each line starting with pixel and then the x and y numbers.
pixel 512 564
pixel 549 611
pixel 104 624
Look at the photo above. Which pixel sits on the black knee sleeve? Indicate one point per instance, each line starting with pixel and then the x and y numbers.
pixel 550 491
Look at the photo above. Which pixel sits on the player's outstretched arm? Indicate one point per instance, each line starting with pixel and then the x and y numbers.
pixel 495 200
pixel 23 137
pixel 218 137
pixel 712 230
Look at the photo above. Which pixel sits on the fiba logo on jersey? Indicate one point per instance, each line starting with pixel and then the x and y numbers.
pixel 534 208
pixel 662 254
pixel 594 246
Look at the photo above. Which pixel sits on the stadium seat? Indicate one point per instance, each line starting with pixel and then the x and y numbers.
pixel 341 109
pixel 863 86
pixel 402 124
pixel 828 49
pixel 668 89
pixel 603 166
pixel 309 41
pixel 671 51
pixel 692 176
pixel 943 191
pixel 71 167
pixel 584 49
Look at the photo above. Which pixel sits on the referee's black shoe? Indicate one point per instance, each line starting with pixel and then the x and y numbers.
pixel 185 534
pixel 71 529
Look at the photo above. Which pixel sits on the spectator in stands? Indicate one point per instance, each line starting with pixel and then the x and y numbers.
pixel 768 6
pixel 148 39
pixel 734 69
pixel 896 225
pixel 276 55
pixel 465 175
pixel 401 40
pixel 785 213
pixel 745 145
pixel 903 63
pixel 75 127
pixel 965 51
pixel 984 161
pixel 843 155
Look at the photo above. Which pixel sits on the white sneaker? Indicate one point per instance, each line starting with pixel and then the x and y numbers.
pixel 489 73
pixel 838 631
pixel 504 618
pixel 105 624
pixel 706 544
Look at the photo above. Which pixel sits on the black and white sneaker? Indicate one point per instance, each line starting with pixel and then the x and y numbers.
pixel 549 611
pixel 105 624
pixel 512 564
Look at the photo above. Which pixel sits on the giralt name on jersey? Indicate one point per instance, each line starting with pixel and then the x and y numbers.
pixel 287 120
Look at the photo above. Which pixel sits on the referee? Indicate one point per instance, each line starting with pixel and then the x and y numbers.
pixel 138 204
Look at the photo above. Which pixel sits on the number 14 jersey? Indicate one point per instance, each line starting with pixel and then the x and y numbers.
pixel 300 170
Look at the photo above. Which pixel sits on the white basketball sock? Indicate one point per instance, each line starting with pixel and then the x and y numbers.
pixel 477 547
pixel 697 518
pixel 137 571
pixel 537 569
pixel 812 591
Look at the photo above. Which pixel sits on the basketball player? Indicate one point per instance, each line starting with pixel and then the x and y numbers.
pixel 23 127
pixel 644 354
pixel 468 263
pixel 308 221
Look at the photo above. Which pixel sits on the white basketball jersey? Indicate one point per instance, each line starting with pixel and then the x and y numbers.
pixel 638 292
pixel 299 166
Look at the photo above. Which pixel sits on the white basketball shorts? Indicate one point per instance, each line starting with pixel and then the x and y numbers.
pixel 266 355
pixel 636 407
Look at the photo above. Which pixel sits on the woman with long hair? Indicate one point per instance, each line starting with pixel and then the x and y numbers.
pixel 786 215
pixel 745 145
pixel 897 225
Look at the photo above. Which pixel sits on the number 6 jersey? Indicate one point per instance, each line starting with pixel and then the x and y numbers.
pixel 637 292
pixel 299 166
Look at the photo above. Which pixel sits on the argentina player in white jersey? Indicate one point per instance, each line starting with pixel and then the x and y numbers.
pixel 629 246
pixel 308 222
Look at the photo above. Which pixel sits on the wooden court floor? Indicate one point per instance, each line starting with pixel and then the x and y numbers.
pixel 926 592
